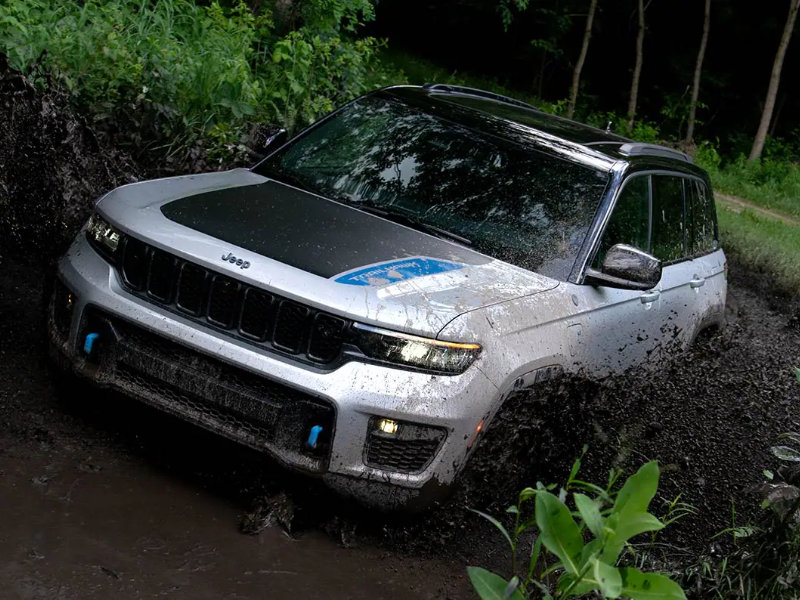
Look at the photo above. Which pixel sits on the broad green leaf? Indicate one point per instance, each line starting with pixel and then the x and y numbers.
pixel 638 490
pixel 590 514
pixel 497 524
pixel 622 527
pixel 607 579
pixel 490 586
pixel 797 374
pixel 786 453
pixel 649 586
pixel 630 525
pixel 559 532
pixel 589 549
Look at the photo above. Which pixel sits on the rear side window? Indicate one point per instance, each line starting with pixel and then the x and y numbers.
pixel 668 242
pixel 700 204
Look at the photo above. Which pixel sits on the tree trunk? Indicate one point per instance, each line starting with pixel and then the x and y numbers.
pixel 637 69
pixel 774 80
pixel 576 74
pixel 698 68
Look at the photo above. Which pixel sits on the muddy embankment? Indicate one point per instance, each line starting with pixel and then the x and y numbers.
pixel 109 496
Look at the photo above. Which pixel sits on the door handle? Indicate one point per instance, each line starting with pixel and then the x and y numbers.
pixel 650 297
pixel 697 282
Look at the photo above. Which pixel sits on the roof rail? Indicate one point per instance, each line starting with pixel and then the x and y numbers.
pixel 468 91
pixel 641 149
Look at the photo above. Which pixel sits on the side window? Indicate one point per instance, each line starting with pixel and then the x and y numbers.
pixel 668 218
pixel 701 206
pixel 630 221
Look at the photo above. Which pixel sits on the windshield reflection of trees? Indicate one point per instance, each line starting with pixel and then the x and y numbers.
pixel 517 204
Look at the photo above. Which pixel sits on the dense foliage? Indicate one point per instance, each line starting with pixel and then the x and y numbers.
pixel 163 75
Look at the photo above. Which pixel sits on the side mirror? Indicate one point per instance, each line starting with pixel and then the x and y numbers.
pixel 627 268
pixel 263 141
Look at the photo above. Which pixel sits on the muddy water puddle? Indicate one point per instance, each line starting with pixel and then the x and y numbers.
pixel 109 526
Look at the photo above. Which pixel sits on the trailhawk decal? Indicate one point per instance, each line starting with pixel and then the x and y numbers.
pixel 396 270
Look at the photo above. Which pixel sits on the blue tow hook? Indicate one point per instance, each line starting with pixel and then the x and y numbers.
pixel 89 343
pixel 313 436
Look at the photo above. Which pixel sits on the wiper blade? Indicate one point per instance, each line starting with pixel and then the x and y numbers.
pixel 408 220
pixel 282 176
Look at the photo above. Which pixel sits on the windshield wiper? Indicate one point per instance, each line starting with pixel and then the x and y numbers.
pixel 408 220
pixel 282 176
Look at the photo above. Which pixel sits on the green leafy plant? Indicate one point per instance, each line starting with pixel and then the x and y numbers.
pixel 562 563
pixel 164 78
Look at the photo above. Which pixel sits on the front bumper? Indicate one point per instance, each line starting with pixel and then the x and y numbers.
pixel 269 401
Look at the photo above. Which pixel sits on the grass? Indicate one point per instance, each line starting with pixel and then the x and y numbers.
pixel 769 183
pixel 763 245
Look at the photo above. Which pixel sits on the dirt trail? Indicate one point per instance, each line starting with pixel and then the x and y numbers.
pixel 738 205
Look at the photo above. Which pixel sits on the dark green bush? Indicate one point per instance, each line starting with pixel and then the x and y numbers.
pixel 160 75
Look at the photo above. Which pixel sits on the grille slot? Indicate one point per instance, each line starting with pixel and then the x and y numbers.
pixel 161 276
pixel 223 302
pixel 238 309
pixel 327 336
pixel 134 264
pixel 292 317
pixel 192 289
pixel 257 311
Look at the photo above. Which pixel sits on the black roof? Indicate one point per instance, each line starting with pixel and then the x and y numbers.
pixel 592 139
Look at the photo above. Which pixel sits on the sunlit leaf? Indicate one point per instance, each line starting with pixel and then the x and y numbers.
pixel 511 588
pixel 607 579
pixel 629 526
pixel 638 490
pixel 590 514
pixel 491 586
pixel 559 532
pixel 649 586
pixel 786 453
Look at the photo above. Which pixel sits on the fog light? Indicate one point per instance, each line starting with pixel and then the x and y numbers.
pixel 387 426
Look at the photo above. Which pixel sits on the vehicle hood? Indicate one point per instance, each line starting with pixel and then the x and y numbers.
pixel 316 251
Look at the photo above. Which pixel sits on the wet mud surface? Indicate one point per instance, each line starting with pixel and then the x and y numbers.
pixel 101 495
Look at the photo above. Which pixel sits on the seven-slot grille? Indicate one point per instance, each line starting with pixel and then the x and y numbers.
pixel 241 310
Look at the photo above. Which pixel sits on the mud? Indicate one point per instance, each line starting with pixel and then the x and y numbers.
pixel 100 495
pixel 52 165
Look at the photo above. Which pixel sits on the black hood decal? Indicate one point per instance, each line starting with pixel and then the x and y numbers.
pixel 306 231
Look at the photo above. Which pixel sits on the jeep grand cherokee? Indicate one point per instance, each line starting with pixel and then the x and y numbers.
pixel 361 302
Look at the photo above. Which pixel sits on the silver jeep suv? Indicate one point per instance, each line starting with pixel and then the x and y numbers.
pixel 361 303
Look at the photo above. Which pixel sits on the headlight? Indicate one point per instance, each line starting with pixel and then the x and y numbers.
pixel 449 358
pixel 103 236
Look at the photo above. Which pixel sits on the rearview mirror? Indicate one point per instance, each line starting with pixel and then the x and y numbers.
pixel 627 268
pixel 264 141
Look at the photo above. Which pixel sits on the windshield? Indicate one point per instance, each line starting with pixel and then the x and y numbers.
pixel 514 203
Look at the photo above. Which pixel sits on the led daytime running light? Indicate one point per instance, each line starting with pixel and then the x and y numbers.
pixel 403 349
